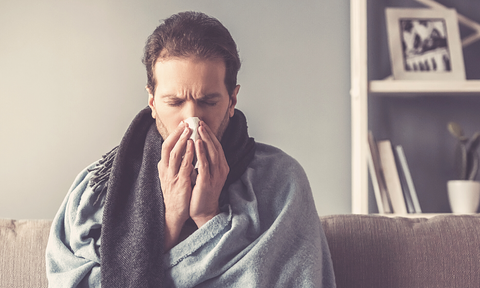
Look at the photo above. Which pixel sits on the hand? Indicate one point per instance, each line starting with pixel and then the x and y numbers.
pixel 212 174
pixel 174 170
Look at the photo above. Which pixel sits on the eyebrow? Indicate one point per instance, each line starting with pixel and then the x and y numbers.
pixel 210 96
pixel 203 97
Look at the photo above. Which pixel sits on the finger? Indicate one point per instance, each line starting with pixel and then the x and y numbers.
pixel 203 162
pixel 177 154
pixel 211 135
pixel 170 142
pixel 213 148
pixel 186 166
pixel 211 163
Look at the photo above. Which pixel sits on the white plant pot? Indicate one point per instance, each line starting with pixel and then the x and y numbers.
pixel 464 196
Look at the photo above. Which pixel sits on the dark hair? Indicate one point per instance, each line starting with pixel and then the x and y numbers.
pixel 192 34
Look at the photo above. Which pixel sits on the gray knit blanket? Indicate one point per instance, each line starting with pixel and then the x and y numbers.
pixel 268 233
pixel 132 243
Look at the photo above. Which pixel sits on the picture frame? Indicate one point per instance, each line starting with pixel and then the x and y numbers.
pixel 424 44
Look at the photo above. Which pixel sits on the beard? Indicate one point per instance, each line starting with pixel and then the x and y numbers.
pixel 219 133
pixel 223 126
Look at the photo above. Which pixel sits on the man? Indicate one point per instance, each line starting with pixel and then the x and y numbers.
pixel 161 210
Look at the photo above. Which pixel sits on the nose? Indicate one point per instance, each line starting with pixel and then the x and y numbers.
pixel 191 109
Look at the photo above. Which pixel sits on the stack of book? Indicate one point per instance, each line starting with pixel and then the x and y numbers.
pixel 392 183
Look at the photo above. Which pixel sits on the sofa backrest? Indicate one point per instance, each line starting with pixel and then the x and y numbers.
pixel 367 251
pixel 381 252
pixel 22 253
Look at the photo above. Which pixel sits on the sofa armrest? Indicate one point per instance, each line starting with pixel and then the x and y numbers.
pixel 22 252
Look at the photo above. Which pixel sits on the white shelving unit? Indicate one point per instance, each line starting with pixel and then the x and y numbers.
pixel 362 89
pixel 411 87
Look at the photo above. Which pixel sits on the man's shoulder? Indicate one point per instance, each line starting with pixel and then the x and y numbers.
pixel 83 188
pixel 266 152
pixel 274 160
pixel 84 176
pixel 276 179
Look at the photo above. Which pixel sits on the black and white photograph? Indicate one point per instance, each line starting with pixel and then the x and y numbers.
pixel 424 44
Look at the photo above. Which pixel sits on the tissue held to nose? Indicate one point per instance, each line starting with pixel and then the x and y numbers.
pixel 193 124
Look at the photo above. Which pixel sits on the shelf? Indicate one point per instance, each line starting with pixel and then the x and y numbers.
pixel 423 87
pixel 373 103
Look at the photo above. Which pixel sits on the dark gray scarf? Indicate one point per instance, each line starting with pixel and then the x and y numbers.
pixel 132 242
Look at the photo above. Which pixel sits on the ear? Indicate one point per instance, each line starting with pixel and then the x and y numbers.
pixel 233 101
pixel 151 102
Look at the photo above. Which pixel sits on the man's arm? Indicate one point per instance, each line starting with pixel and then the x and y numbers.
pixel 72 253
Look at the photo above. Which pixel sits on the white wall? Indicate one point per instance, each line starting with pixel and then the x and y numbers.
pixel 71 80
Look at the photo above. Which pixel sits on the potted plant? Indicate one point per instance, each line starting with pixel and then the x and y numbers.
pixel 464 193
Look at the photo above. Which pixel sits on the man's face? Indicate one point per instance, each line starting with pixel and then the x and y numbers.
pixel 189 87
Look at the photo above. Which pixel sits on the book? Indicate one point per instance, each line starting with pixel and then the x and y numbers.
pixel 408 179
pixel 376 175
pixel 392 179
pixel 403 182
pixel 375 184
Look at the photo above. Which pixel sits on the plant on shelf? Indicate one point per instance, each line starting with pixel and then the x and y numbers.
pixel 466 154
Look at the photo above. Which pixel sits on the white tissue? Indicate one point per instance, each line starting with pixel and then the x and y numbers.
pixel 193 124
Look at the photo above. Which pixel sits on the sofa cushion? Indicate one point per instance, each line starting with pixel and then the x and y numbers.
pixel 22 250
pixel 374 251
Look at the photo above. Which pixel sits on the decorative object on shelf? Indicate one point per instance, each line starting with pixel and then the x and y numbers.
pixel 464 194
pixel 469 23
pixel 424 44
pixel 466 154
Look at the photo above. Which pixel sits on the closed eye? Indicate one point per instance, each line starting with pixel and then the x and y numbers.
pixel 175 103
pixel 210 99
pixel 208 103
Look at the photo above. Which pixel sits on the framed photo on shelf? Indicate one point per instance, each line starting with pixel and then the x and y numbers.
pixel 424 44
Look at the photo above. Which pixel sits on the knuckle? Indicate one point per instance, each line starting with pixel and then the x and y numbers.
pixel 185 166
pixel 173 154
pixel 204 164
pixel 162 167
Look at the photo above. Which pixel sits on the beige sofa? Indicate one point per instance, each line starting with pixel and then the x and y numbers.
pixel 22 253
pixel 367 251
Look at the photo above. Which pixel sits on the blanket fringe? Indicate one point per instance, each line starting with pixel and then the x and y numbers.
pixel 102 174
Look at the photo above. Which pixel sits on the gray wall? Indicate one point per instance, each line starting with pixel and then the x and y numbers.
pixel 71 80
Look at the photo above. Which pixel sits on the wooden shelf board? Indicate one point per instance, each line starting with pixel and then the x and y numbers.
pixel 420 87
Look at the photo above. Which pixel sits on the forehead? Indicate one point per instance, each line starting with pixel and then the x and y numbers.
pixel 184 73
pixel 165 60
